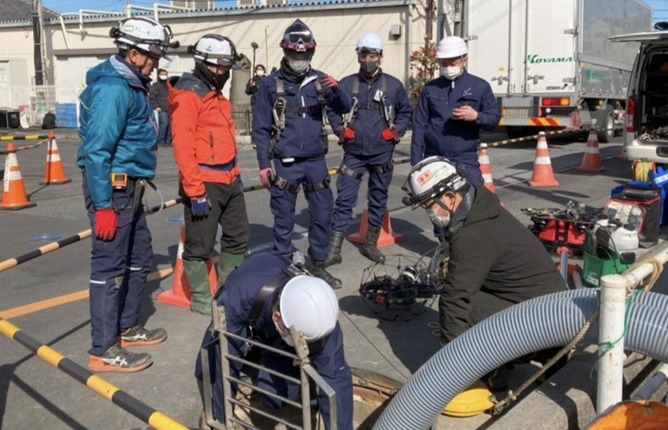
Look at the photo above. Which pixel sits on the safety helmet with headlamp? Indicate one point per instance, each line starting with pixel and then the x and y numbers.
pixel 214 49
pixel 144 34
pixel 430 178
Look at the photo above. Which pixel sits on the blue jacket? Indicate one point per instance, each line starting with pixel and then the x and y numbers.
pixel 117 129
pixel 369 122
pixel 238 296
pixel 434 130
pixel 303 133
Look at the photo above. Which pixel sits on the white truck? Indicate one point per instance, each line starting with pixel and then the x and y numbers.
pixel 550 63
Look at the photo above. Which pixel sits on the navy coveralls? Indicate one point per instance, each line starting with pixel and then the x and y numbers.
pixel 117 135
pixel 297 156
pixel 368 151
pixel 436 133
pixel 238 295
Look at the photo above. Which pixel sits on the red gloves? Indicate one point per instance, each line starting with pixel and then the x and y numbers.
pixel 348 133
pixel 106 222
pixel 388 134
pixel 329 82
pixel 265 176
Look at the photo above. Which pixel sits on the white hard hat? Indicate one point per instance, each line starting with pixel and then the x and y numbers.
pixel 430 178
pixel 370 43
pixel 215 49
pixel 309 304
pixel 451 47
pixel 145 34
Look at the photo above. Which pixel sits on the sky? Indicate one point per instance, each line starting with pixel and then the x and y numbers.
pixel 660 6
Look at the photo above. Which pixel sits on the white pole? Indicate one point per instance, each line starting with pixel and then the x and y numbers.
pixel 611 328
pixel 650 387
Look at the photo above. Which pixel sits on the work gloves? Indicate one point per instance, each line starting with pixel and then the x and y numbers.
pixel 329 82
pixel 265 176
pixel 348 133
pixel 199 206
pixel 106 222
pixel 388 134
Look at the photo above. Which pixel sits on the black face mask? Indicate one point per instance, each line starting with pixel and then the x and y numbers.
pixel 369 67
pixel 220 80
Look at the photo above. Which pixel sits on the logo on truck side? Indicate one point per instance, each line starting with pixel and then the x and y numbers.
pixel 535 59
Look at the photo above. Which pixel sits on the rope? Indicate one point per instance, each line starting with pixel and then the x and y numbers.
pixel 513 395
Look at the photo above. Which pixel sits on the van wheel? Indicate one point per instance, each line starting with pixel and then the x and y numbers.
pixel 606 134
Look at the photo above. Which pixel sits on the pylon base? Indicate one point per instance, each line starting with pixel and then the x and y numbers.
pixel 543 184
pixel 65 181
pixel 589 169
pixel 17 207
pixel 386 237
pixel 170 298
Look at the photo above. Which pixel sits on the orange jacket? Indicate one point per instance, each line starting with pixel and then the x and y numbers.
pixel 203 135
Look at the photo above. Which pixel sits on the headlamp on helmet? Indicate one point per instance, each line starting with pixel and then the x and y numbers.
pixel 216 50
pixel 430 179
pixel 144 34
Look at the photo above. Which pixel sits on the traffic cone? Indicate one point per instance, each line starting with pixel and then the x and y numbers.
pixel 591 162
pixel 386 236
pixel 179 295
pixel 542 176
pixel 53 172
pixel 485 168
pixel 13 192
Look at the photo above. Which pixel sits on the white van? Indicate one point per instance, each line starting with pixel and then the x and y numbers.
pixel 646 131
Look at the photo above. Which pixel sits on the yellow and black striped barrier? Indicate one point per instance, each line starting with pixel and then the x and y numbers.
pixel 532 137
pixel 26 137
pixel 50 247
pixel 45 138
pixel 136 407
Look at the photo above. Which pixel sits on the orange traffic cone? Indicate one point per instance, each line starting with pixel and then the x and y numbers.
pixel 485 168
pixel 542 176
pixel 386 236
pixel 179 295
pixel 13 192
pixel 53 172
pixel 591 162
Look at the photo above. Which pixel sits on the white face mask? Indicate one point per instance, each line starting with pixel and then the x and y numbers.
pixel 452 72
pixel 260 72
pixel 299 66
pixel 163 77
pixel 286 336
pixel 441 221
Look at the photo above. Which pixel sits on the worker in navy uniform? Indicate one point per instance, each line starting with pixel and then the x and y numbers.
pixel 262 299
pixel 289 131
pixel 379 117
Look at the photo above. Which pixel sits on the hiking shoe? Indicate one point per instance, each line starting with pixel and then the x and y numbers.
pixel 139 336
pixel 117 359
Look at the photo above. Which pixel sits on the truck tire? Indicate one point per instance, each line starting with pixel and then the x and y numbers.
pixel 607 128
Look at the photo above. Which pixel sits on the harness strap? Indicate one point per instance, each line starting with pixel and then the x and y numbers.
pixel 304 109
pixel 381 168
pixel 310 188
pixel 345 170
pixel 285 185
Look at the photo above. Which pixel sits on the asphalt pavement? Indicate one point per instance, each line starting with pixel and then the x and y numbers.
pixel 34 394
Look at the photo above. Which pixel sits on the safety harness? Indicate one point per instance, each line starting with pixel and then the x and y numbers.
pixel 278 113
pixel 384 107
pixel 377 169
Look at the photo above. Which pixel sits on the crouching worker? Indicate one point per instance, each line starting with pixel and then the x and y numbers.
pixel 262 299
pixel 492 261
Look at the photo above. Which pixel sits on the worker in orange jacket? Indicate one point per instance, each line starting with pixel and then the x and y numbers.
pixel 206 155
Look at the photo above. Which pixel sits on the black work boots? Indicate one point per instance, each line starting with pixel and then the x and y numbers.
pixel 369 249
pixel 318 270
pixel 334 251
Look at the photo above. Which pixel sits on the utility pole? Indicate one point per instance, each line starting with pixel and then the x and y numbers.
pixel 429 25
pixel 37 37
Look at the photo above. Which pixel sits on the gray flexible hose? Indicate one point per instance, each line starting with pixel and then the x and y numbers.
pixel 545 322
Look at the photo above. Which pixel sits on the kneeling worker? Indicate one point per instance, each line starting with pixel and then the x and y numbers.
pixel 263 298
pixel 494 261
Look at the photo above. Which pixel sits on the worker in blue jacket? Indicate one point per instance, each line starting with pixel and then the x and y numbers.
pixel 263 298
pixel 379 118
pixel 451 111
pixel 289 131
pixel 117 156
